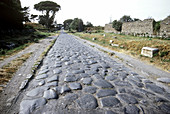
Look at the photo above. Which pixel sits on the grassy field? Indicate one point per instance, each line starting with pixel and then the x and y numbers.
pixel 132 45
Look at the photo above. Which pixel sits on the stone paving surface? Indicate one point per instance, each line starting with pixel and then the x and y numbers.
pixel 75 78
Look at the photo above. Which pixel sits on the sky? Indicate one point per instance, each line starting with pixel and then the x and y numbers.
pixel 101 12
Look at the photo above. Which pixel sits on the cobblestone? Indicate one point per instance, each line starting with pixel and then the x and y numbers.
pixel 50 94
pixel 87 102
pixel 28 106
pixel 109 112
pixel 109 102
pixel 127 98
pixel 71 97
pixel 65 89
pixel 76 78
pixel 155 88
pixel 53 78
pixel 70 79
pixel 90 89
pixel 110 78
pixel 103 84
pixel 87 81
pixel 131 109
pixel 106 92
pixel 75 86
pixel 122 83
pixel 57 71
pixel 164 80
pixel 43 71
pixel 36 91
pixel 41 76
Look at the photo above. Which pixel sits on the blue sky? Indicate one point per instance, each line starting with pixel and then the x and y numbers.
pixel 99 12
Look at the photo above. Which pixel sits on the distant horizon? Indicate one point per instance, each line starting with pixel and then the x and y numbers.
pixel 102 12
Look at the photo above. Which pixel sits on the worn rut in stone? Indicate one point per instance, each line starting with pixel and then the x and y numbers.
pixel 75 78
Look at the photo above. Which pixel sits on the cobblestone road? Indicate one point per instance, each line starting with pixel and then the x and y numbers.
pixel 76 78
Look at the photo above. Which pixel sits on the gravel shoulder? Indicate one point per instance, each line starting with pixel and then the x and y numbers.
pixel 11 93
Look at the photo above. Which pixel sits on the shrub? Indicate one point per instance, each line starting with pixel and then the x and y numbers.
pixel 164 53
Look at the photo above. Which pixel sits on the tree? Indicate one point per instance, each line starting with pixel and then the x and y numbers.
pixel 50 8
pixel 136 19
pixel 157 26
pixel 11 15
pixel 42 20
pixel 89 24
pixel 67 23
pixel 80 25
pixel 126 18
pixel 117 25
pixel 25 11
pixel 77 24
pixel 33 17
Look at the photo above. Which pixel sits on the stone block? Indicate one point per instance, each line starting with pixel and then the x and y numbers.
pixel 149 52
pixel 115 45
pixel 94 39
pixel 111 41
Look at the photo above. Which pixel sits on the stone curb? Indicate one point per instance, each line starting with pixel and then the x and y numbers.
pixel 36 66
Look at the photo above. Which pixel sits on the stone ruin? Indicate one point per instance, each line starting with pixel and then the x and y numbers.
pixel 109 29
pixel 165 27
pixel 141 28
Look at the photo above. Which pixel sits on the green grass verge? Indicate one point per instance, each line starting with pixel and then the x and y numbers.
pixel 21 42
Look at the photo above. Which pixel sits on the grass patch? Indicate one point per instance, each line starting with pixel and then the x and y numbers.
pixel 44 33
pixel 132 45
pixel 8 53
pixel 20 42
pixel 7 71
pixel 92 45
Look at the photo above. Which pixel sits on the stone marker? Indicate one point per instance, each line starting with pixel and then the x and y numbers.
pixel 149 52
pixel 111 41
pixel 115 45
pixel 94 39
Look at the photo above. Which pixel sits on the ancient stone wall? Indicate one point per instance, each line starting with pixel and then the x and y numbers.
pixel 165 27
pixel 109 29
pixel 138 27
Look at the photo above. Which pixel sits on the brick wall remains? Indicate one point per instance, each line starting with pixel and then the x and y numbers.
pixel 144 27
